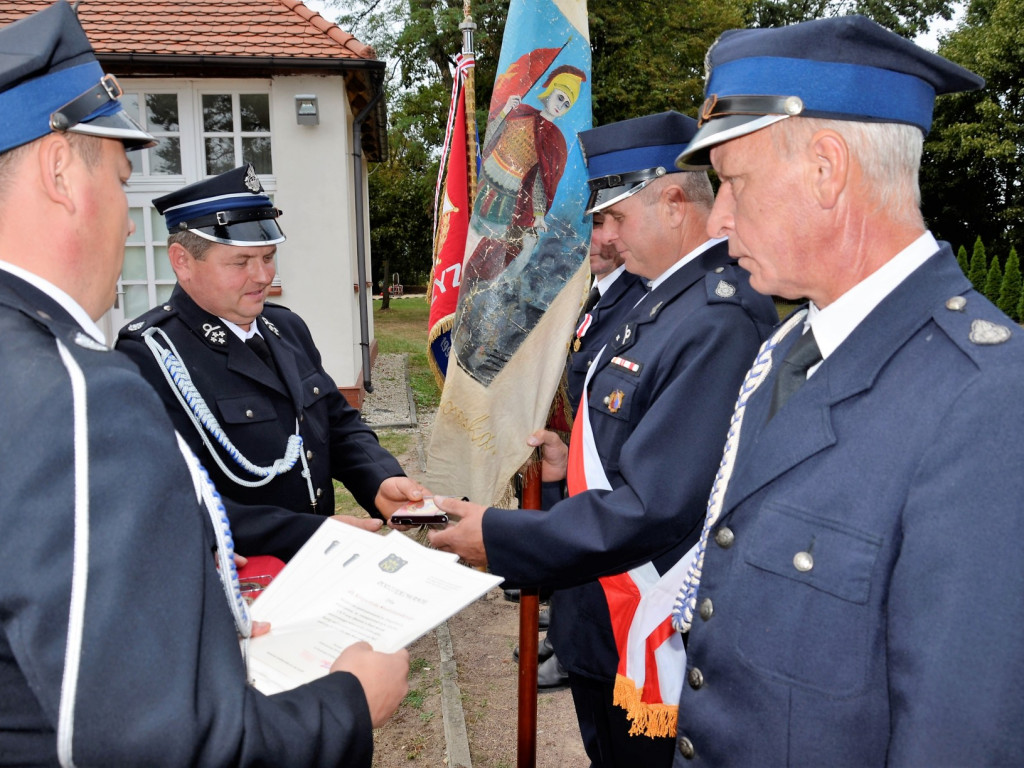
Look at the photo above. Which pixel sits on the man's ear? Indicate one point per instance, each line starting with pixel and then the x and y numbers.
pixel 673 204
pixel 830 166
pixel 181 261
pixel 57 162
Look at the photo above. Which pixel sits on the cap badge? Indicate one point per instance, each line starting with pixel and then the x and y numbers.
pixel 987 333
pixel 214 333
pixel 725 290
pixel 252 181
pixel 88 342
pixel 614 400
pixel 270 326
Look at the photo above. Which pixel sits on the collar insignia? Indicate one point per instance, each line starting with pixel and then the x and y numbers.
pixel 987 333
pixel 88 342
pixel 655 308
pixel 271 327
pixel 625 335
pixel 135 326
pixel 214 333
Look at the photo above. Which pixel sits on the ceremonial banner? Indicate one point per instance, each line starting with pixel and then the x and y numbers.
pixel 525 259
pixel 451 224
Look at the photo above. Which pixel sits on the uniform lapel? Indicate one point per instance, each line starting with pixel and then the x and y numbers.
pixel 804 427
pixel 284 356
pixel 222 340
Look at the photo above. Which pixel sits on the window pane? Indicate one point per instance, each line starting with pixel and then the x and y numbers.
pixel 136 300
pixel 257 152
pixel 136 216
pixel 134 263
pixel 135 158
pixel 163 293
pixel 159 225
pixel 165 157
pixel 162 111
pixel 161 264
pixel 255 109
pixel 217 112
pixel 220 155
pixel 130 102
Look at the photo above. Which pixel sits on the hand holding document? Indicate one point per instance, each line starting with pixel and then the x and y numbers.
pixel 347 585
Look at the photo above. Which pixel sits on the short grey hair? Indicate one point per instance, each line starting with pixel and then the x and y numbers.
pixel 191 242
pixel 696 188
pixel 889 155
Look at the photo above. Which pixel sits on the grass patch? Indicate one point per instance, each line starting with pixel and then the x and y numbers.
pixel 403 329
pixel 396 444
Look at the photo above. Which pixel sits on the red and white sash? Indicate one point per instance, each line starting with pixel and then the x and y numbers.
pixel 652 660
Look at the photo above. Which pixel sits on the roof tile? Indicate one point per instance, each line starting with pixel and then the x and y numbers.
pixel 280 28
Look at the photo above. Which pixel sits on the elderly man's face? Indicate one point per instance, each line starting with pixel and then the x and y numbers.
pixel 765 209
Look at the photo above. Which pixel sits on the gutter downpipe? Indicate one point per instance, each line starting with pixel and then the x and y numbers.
pixel 357 155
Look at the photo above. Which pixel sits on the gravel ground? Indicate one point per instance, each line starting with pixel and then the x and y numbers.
pixel 462 707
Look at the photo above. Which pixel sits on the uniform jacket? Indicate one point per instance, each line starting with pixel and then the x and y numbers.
pixel 160 679
pixel 897 468
pixel 257 409
pixel 607 316
pixel 691 340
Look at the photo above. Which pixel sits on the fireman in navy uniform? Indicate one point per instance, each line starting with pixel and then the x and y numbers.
pixel 117 645
pixel 255 367
pixel 617 291
pixel 860 598
pixel 658 403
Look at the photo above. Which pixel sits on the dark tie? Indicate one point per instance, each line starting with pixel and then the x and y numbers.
pixel 259 346
pixel 803 355
pixel 592 298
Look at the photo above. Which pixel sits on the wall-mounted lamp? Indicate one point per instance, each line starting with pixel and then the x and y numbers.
pixel 307 112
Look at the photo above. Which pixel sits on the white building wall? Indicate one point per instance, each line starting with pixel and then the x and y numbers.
pixel 314 169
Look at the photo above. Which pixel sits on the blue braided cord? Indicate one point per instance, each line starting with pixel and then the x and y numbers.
pixel 205 422
pixel 686 601
pixel 195 401
pixel 227 569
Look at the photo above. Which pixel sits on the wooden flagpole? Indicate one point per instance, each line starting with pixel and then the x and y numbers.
pixel 529 611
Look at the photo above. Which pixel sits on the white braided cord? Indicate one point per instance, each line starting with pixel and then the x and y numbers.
pixel 205 422
pixel 686 601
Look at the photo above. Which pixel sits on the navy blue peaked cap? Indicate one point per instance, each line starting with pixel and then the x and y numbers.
pixel 231 208
pixel 623 157
pixel 845 68
pixel 50 81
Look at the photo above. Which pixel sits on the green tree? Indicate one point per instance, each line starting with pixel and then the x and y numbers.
pixel 906 17
pixel 961 259
pixel 979 266
pixel 1010 291
pixel 993 281
pixel 973 167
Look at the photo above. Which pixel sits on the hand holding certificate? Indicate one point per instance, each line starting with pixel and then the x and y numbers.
pixel 347 585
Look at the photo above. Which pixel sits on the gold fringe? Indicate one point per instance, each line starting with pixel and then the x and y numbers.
pixel 648 719
pixel 441 326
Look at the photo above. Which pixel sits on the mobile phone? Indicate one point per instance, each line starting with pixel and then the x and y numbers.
pixel 423 512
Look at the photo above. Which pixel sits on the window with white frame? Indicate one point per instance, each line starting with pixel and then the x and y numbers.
pixel 202 129
pixel 236 130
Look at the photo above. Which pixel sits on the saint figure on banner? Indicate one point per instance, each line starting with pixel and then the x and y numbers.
pixel 523 162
